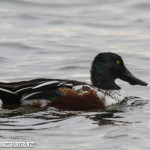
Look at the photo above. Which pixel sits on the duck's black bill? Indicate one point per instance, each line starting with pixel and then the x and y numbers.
pixel 130 78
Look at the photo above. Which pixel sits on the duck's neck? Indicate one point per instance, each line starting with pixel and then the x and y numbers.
pixel 102 83
pixel 101 77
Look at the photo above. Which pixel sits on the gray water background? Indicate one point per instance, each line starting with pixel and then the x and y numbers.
pixel 59 39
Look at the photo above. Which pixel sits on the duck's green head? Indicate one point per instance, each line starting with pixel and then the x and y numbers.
pixel 107 67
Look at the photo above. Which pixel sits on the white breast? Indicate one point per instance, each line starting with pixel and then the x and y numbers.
pixel 110 96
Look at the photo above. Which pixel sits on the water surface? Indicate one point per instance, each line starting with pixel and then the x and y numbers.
pixel 59 39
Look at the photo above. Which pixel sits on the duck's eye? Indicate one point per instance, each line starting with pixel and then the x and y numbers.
pixel 118 62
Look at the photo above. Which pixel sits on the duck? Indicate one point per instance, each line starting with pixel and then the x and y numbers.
pixel 71 94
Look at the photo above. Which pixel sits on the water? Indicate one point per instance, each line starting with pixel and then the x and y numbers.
pixel 58 39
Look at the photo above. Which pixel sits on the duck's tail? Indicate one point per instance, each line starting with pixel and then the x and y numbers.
pixel 9 97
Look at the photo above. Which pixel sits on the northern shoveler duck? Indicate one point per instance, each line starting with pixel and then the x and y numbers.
pixel 70 94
